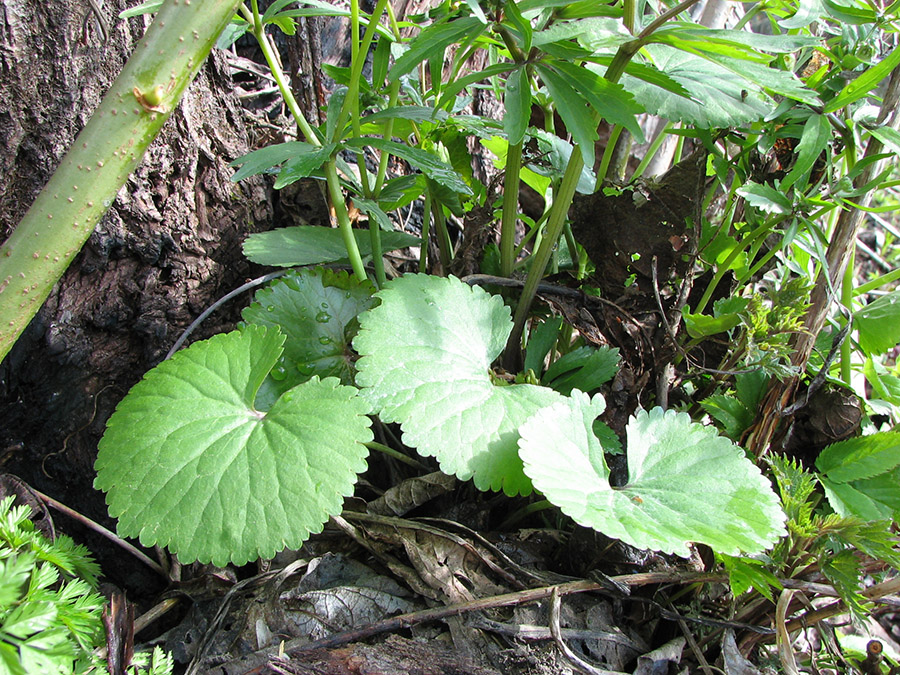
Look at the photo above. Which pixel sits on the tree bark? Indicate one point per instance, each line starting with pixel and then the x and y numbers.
pixel 169 246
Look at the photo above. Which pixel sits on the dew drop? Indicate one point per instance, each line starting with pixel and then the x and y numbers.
pixel 270 308
pixel 323 317
pixel 305 369
pixel 279 373
pixel 324 340
pixel 324 305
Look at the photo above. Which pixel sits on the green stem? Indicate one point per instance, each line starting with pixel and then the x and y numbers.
pixel 847 301
pixel 283 86
pixel 426 230
pixel 651 151
pixel 396 454
pixel 878 282
pixel 443 236
pixel 510 209
pixel 105 153
pixel 760 232
pixel 555 222
pixel 343 219
pixel 608 153
pixel 351 102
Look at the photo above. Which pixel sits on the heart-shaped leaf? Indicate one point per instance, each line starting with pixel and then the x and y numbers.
pixel 686 483
pixel 188 463
pixel 426 355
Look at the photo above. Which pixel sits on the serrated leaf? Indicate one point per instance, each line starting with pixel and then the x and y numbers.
pixel 585 368
pixel 843 571
pixel 188 462
pixel 317 310
pixel 765 198
pixel 608 99
pixel 542 338
pixel 746 573
pixel 426 353
pixel 728 411
pixel 517 101
pixel 860 457
pixel 718 97
pixel 878 323
pixel 311 245
pixel 266 158
pixel 431 166
pixel 863 84
pixel 573 109
pixel 814 140
pixel 686 483
pixel 433 40
pixel 303 165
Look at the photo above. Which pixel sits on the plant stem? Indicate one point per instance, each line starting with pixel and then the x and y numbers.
pixel 443 236
pixel 343 219
pixel 280 81
pixel 105 153
pixel 847 301
pixel 608 153
pixel 510 209
pixel 426 230
pixel 557 218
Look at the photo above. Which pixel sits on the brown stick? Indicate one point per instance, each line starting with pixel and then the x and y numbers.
pixel 841 245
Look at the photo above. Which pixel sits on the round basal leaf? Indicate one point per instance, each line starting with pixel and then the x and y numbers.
pixel 188 463
pixel 686 483
pixel 317 310
pixel 426 353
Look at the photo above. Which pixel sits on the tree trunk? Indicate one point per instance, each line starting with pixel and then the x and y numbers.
pixel 169 246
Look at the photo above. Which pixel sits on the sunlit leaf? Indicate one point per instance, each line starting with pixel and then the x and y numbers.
pixel 685 482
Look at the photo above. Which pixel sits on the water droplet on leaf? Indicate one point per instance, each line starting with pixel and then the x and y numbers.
pixel 323 317
pixel 324 340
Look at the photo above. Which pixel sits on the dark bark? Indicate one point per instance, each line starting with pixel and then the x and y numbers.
pixel 169 246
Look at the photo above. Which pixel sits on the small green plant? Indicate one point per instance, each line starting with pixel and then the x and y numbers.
pixel 49 607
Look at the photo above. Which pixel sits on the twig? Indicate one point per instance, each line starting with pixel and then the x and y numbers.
pixel 400 621
pixel 573 658
pixel 218 303
pixel 692 643
pixel 97 527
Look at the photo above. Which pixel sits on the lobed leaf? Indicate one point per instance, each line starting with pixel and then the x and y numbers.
pixel 878 324
pixel 425 359
pixel 686 483
pixel 188 462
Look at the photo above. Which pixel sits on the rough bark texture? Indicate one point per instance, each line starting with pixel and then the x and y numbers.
pixel 169 246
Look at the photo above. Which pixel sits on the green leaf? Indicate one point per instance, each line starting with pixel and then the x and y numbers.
pixel 585 369
pixel 862 85
pixel 311 245
pixel 860 457
pixel 539 344
pixel 861 475
pixel 266 158
pixel 884 385
pixel 426 354
pixel 317 310
pixel 608 99
pixel 718 97
pixel 431 166
pixel 686 483
pixel 573 109
pixel 726 317
pixel 188 462
pixel 813 141
pixel 765 198
pixel 303 165
pixel 878 323
pixel 432 41
pixel 517 101
pixel 728 411
pixel 746 573
pixel 843 571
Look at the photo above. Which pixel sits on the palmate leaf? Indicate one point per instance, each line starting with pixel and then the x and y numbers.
pixel 426 354
pixel 188 462
pixel 686 483
pixel 719 98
